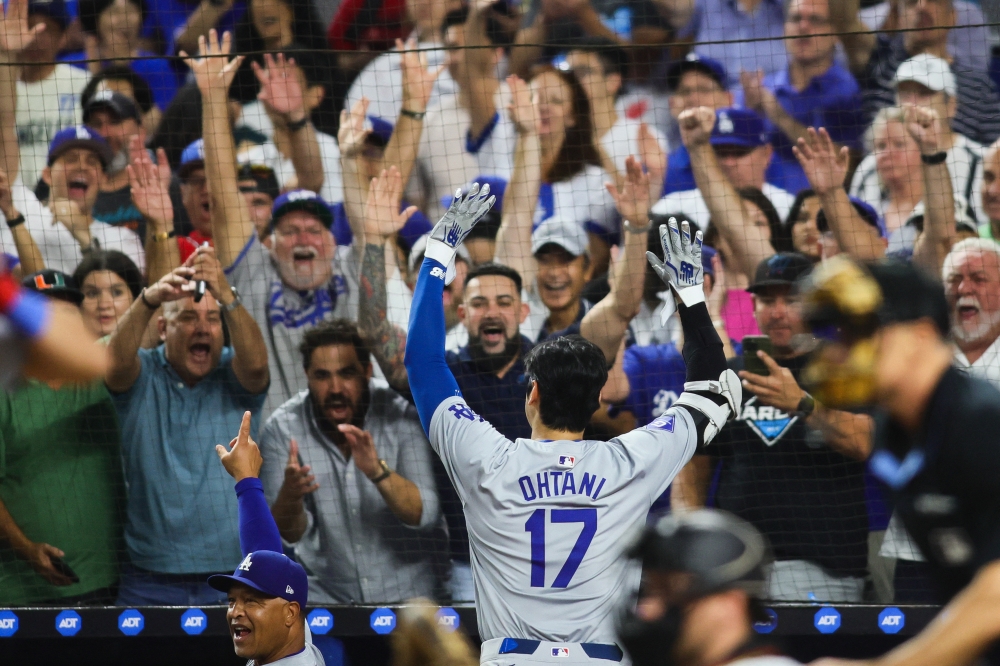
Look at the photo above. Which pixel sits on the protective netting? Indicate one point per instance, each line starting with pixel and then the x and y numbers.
pixel 787 132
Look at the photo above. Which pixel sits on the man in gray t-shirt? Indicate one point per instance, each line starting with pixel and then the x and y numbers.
pixel 347 473
pixel 303 279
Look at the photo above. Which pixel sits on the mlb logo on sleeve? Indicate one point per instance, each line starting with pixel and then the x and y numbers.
pixel 560 652
pixel 567 461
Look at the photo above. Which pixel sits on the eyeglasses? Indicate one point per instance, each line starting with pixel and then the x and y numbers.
pixel 813 20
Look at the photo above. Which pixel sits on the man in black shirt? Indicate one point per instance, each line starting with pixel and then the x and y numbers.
pixel 790 466
pixel 935 440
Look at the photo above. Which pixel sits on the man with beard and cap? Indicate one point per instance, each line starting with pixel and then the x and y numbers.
pixel 174 403
pixel 883 329
pixel 268 592
pixel 703 579
pixel 346 457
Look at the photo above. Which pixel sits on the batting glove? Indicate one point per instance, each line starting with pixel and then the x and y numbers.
pixel 681 269
pixel 451 230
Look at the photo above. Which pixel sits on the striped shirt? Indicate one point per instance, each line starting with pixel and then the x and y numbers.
pixel 965 164
pixel 976 116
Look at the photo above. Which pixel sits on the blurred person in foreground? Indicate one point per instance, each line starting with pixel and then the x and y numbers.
pixel 883 329
pixel 267 592
pixel 175 401
pixel 703 581
pixel 60 483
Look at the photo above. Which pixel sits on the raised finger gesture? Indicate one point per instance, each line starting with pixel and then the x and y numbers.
pixel 299 479
pixel 280 89
pixel 382 215
pixel 15 35
pixel 523 112
pixel 696 125
pixel 825 166
pixel 213 66
pixel 418 80
pixel 362 450
pixel 352 133
pixel 150 183
pixel 632 201
pixel 242 460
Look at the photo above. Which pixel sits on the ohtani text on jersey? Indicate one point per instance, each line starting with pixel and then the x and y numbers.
pixel 554 484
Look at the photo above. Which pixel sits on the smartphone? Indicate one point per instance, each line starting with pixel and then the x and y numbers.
pixel 59 564
pixel 751 345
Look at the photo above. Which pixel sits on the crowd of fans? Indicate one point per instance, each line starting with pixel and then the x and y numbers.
pixel 239 213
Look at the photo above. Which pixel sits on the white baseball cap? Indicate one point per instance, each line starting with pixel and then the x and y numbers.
pixel 562 231
pixel 929 71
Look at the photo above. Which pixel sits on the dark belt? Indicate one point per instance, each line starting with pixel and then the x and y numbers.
pixel 592 650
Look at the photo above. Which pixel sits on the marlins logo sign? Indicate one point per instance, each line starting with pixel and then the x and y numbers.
pixel 769 423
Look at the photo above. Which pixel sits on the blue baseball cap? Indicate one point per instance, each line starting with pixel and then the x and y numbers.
pixel 707 254
pixel 696 63
pixel 192 159
pixel 738 127
pixel 269 572
pixel 79 137
pixel 54 9
pixel 306 200
pixel 381 131
pixel 864 209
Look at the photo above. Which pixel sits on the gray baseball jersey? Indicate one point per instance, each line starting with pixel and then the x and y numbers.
pixel 549 520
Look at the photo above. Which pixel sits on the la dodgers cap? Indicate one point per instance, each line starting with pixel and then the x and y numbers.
pixel 120 105
pixel 696 63
pixel 562 231
pixel 929 71
pixel 305 200
pixel 79 137
pixel 738 127
pixel 192 158
pixel 274 574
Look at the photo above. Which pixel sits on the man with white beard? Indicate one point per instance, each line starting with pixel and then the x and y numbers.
pixel 971 275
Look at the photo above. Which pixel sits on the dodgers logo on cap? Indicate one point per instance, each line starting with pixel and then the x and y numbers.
pixel 770 625
pixel 194 621
pixel 448 618
pixel 827 620
pixel 320 621
pixel 383 620
pixel 131 622
pixel 725 123
pixel 891 620
pixel 69 623
pixel 8 623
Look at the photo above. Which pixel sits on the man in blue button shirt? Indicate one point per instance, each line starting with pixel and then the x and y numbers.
pixel 175 403
pixel 813 91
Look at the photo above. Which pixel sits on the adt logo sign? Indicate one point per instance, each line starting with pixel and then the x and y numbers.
pixel 320 621
pixel 131 622
pixel 68 623
pixel 891 620
pixel 194 621
pixel 448 618
pixel 827 620
pixel 770 625
pixel 383 621
pixel 8 623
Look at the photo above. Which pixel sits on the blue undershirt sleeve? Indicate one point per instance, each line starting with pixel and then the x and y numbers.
pixel 258 531
pixel 431 380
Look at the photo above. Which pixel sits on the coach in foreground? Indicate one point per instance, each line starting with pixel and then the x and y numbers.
pixel 267 593
pixel 548 516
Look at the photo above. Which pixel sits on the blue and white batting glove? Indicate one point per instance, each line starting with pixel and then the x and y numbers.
pixel 451 230
pixel 681 269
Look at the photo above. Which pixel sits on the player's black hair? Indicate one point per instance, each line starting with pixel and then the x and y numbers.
pixel 333 332
pixel 491 268
pixel 614 59
pixel 570 372
pixel 114 261
pixel 140 88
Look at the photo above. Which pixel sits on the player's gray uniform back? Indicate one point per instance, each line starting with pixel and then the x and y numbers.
pixel 549 520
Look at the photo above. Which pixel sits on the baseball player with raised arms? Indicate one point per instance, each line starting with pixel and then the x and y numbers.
pixel 548 517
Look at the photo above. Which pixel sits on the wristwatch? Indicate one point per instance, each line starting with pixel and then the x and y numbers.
pixel 161 236
pixel 386 473
pixel 807 405
pixel 629 227
pixel 935 158
pixel 416 115
pixel 235 303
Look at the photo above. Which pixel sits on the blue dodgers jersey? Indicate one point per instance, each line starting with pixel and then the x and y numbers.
pixel 656 376
pixel 549 521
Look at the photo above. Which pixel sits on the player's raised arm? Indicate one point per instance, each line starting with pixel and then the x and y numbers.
pixel 712 392
pixel 242 460
pixel 431 381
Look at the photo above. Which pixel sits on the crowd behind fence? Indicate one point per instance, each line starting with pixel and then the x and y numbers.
pixel 236 198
